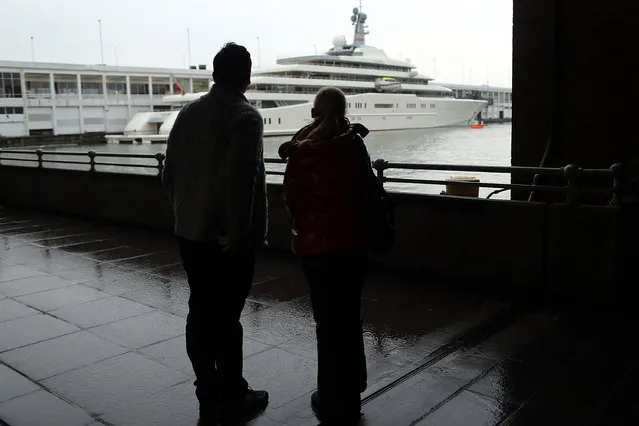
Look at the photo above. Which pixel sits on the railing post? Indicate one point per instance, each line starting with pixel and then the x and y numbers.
pixel 39 154
pixel 571 173
pixel 380 165
pixel 92 161
pixel 160 157
pixel 617 184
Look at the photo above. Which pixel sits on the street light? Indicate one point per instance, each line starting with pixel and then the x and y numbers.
pixel 259 59
pixel 188 43
pixel 32 51
pixel 101 47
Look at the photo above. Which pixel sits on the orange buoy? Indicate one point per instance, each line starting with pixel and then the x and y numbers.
pixel 476 126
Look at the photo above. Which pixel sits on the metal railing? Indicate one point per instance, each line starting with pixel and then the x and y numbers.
pixel 571 175
pixel 39 158
pixel 567 180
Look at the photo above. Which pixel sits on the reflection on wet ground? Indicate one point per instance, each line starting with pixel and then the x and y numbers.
pixel 92 332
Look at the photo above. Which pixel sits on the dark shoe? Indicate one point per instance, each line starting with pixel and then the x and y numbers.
pixel 207 422
pixel 252 405
pixel 322 416
pixel 316 406
pixel 209 415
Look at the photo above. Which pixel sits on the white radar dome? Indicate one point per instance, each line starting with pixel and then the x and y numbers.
pixel 339 41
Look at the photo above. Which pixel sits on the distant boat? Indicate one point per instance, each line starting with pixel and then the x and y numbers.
pixel 387 84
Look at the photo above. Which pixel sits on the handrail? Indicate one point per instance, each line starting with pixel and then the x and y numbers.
pixel 569 176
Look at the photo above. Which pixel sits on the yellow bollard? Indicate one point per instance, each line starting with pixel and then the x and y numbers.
pixel 462 190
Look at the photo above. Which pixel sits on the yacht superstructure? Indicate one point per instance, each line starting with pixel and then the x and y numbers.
pixel 382 93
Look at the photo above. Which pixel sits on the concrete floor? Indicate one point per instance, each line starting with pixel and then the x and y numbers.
pixel 92 332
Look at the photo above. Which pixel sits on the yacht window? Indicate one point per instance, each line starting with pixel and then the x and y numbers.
pixel 384 105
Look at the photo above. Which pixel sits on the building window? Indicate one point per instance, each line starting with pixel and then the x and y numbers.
pixel 91 85
pixel 139 88
pixel 66 87
pixel 349 105
pixel 38 87
pixel 423 106
pixel 269 121
pixel 432 106
pixel 279 121
pixel 11 110
pixel 265 121
pixel 10 85
pixel 116 87
pixel 199 85
pixel 91 89
pixel 384 105
pixel 161 89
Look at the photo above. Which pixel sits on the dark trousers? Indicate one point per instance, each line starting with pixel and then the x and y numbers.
pixel 336 282
pixel 219 283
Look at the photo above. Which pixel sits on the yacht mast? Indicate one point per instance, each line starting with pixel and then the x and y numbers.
pixel 359 20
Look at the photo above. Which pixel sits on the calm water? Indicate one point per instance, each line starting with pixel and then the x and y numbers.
pixel 488 146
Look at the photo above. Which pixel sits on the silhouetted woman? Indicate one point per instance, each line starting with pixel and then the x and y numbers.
pixel 324 192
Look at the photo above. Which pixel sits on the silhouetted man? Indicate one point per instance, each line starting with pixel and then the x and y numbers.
pixel 214 173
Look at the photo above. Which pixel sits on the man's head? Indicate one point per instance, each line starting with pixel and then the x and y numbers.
pixel 232 67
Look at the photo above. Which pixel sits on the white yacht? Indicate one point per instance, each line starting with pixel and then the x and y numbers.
pixel 382 93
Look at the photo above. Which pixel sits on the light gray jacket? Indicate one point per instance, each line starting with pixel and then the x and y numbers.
pixel 214 169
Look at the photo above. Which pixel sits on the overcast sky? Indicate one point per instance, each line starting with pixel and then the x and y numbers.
pixel 464 41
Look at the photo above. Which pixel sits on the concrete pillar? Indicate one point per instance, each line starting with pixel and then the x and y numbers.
pixel 151 91
pixel 80 111
pixel 25 102
pixel 171 84
pixel 574 73
pixel 128 95
pixel 105 99
pixel 53 104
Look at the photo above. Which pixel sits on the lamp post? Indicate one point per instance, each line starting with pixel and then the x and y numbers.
pixel 101 47
pixel 259 58
pixel 188 44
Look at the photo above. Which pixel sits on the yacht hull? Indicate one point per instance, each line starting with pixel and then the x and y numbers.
pixel 378 112
pixel 438 112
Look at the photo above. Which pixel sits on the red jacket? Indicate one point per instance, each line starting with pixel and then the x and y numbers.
pixel 323 190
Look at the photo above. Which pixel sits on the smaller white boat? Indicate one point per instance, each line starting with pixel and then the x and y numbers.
pixel 387 84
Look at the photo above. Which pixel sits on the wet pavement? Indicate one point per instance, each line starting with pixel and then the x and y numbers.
pixel 92 323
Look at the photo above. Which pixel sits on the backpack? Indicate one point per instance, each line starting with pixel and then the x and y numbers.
pixel 379 220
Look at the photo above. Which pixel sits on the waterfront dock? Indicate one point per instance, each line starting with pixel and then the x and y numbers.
pixel 92 332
